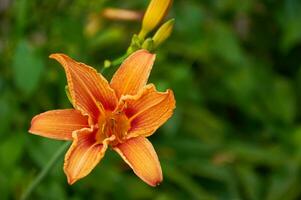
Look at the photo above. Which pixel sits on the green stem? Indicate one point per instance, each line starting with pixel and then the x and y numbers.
pixel 119 60
pixel 44 171
pixel 115 62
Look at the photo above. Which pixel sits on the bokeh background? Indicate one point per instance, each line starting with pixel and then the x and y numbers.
pixel 234 67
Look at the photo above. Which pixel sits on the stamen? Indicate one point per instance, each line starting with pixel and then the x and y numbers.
pixel 114 123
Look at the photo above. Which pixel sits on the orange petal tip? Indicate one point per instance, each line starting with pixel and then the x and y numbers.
pixel 54 55
pixel 140 155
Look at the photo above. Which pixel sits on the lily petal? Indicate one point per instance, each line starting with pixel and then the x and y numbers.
pixel 140 155
pixel 133 73
pixel 58 124
pixel 148 110
pixel 83 155
pixel 87 87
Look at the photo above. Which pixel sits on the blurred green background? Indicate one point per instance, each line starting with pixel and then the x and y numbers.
pixel 234 67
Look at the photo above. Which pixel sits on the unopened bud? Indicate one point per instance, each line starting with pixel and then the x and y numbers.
pixel 121 14
pixel 156 11
pixel 148 44
pixel 107 64
pixel 163 33
pixel 93 25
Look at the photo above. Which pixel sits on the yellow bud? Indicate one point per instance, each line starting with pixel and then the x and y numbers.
pixel 93 25
pixel 163 33
pixel 121 14
pixel 156 11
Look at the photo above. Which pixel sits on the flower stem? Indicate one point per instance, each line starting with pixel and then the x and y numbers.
pixel 44 171
pixel 114 63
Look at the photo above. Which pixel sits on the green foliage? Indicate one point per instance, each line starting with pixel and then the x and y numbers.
pixel 234 67
pixel 27 68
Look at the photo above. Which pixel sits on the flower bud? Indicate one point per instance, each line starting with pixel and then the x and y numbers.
pixel 121 14
pixel 163 33
pixel 107 64
pixel 148 44
pixel 156 11
pixel 93 25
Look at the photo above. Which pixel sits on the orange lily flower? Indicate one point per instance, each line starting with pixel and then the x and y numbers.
pixel 119 114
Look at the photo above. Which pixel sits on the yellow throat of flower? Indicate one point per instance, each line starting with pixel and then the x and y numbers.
pixel 114 123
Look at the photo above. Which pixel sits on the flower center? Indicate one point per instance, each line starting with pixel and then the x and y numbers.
pixel 114 123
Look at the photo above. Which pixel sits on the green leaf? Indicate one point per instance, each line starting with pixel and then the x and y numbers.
pixel 250 182
pixel 27 67
pixel 285 183
pixel 290 24
pixel 186 183
pixel 11 150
